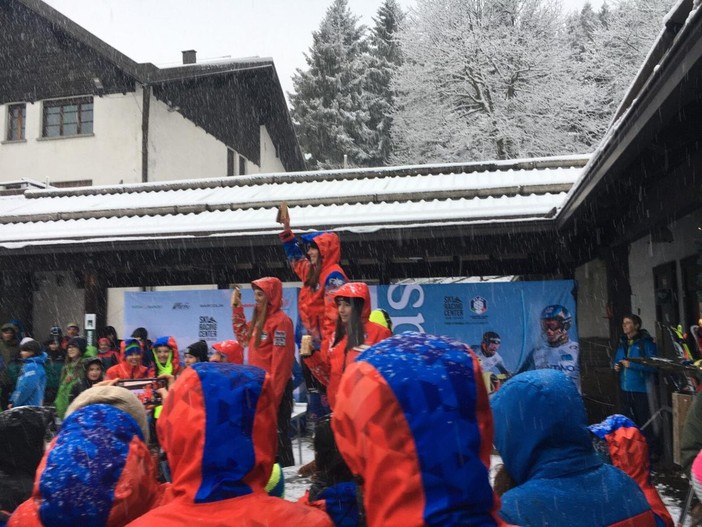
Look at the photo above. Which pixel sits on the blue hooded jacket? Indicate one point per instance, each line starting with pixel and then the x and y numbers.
pixel 31 383
pixel 541 433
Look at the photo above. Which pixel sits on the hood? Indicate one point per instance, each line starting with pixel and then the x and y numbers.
pixel 398 401
pixel 356 290
pixel 100 461
pixel 22 432
pixel 228 447
pixel 171 343
pixel 78 342
pixel 38 359
pixel 92 360
pixel 329 247
pixel 273 288
pixel 10 325
pixel 541 427
pixel 231 349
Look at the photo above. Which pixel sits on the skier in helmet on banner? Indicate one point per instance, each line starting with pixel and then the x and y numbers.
pixel 558 352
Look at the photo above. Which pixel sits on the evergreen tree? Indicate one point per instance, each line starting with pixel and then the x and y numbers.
pixel 329 106
pixel 385 58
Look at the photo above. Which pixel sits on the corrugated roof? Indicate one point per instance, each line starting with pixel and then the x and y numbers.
pixel 359 201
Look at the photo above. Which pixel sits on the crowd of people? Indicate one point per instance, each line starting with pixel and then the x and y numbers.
pixel 404 434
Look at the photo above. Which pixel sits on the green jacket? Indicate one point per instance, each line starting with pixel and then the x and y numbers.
pixel 70 375
pixel 9 350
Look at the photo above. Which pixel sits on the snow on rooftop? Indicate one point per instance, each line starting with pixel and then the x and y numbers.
pixel 352 200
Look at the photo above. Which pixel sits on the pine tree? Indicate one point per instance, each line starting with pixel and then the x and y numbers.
pixel 385 58
pixel 329 106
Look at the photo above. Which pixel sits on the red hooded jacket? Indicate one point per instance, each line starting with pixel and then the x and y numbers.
pixel 124 370
pixel 155 370
pixel 329 366
pixel 413 420
pixel 276 351
pixel 316 306
pixel 220 462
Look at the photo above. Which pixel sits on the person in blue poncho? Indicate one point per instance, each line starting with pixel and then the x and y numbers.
pixel 541 433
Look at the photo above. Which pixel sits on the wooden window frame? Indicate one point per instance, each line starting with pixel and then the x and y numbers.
pixel 82 125
pixel 16 122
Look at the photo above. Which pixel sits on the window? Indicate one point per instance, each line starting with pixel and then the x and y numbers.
pixel 67 117
pixel 16 116
pixel 242 166
pixel 230 162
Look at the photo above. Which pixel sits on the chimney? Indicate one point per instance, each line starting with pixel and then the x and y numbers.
pixel 189 56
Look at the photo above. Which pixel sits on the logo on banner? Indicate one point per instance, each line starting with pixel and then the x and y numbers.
pixel 181 305
pixel 478 305
pixel 453 307
pixel 208 327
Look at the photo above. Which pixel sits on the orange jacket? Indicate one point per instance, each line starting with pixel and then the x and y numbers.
pixel 316 307
pixel 220 462
pixel 412 419
pixel 276 352
pixel 329 366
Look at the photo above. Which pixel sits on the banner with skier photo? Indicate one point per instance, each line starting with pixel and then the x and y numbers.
pixel 511 326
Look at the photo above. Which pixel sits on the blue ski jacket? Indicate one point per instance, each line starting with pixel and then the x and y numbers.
pixel 31 382
pixel 633 378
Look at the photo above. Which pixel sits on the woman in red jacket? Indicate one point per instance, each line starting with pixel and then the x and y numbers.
pixel 354 332
pixel 271 340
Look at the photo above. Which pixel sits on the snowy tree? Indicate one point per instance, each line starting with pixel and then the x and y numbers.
pixel 329 106
pixel 385 58
pixel 619 47
pixel 617 41
pixel 484 80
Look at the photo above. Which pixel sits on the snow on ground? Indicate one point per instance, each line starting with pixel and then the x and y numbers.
pixel 671 488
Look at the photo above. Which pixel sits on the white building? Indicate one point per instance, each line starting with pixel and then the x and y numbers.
pixel 77 112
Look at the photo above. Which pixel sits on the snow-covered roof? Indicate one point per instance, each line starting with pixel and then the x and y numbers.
pixel 361 201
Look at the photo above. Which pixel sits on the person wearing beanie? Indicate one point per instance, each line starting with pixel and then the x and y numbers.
pixel 93 373
pixel 71 373
pixel 196 352
pixel 382 317
pixel 228 351
pixel 108 355
pixel 98 470
pixel 221 461
pixel 31 382
pixel 131 365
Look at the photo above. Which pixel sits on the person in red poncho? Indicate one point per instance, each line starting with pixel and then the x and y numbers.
pixel 271 342
pixel 354 332
pixel 314 258
pixel 220 462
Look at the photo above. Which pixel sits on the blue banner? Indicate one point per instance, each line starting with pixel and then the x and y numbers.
pixel 192 315
pixel 516 312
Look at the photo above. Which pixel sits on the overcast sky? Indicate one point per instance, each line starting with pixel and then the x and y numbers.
pixel 158 30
